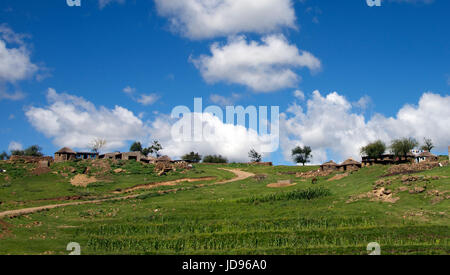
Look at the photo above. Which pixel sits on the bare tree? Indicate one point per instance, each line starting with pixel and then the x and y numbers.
pixel 97 144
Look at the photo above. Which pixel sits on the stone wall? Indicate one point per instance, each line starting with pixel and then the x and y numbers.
pixel 28 159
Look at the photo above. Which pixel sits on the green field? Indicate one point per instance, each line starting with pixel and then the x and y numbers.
pixel 242 217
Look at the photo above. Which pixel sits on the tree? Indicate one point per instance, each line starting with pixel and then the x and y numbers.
pixel 401 147
pixel 254 156
pixel 428 145
pixel 17 153
pixel 155 148
pixel 33 151
pixel 4 156
pixel 302 154
pixel 136 147
pixel 192 157
pixel 374 150
pixel 97 144
pixel 215 159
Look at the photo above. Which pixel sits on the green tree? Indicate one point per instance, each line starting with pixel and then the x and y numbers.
pixel 374 150
pixel 215 159
pixel 302 154
pixel 4 156
pixel 192 157
pixel 254 156
pixel 428 145
pixel 136 147
pixel 17 153
pixel 34 151
pixel 401 147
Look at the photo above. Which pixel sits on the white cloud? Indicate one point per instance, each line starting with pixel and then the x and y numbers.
pixel 299 94
pixel 14 145
pixel 329 126
pixel 74 122
pixel 144 99
pixel 263 67
pixel 15 64
pixel 223 100
pixel 147 99
pixel 129 90
pixel 199 19
pixel 231 141
pixel 363 103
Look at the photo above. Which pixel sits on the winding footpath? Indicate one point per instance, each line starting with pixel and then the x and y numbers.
pixel 240 175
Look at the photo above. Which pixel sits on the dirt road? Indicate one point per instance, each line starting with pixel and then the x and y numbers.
pixel 240 175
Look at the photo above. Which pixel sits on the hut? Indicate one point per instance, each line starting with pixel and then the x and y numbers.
pixel 350 165
pixel 329 166
pixel 164 159
pixel 427 156
pixel 65 154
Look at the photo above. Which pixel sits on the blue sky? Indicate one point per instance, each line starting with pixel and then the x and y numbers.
pixel 382 57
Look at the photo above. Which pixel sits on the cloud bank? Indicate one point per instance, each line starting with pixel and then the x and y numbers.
pixel 331 127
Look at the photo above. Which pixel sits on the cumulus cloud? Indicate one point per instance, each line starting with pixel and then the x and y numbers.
pixel 331 127
pixel 15 63
pixel 14 145
pixel 72 121
pixel 199 19
pixel 216 137
pixel 263 67
pixel 299 94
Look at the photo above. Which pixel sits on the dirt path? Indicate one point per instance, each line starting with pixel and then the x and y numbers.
pixel 165 183
pixel 240 175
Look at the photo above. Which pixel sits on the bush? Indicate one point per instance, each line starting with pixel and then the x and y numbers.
pixel 215 159
pixel 192 157
pixel 307 194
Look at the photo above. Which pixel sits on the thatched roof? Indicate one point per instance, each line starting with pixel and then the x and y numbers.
pixel 164 158
pixel 330 163
pixel 350 162
pixel 66 150
pixel 427 154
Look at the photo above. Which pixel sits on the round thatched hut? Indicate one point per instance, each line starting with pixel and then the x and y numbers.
pixel 329 166
pixel 65 154
pixel 350 165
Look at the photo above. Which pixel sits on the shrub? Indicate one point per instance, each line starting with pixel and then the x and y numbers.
pixel 307 194
pixel 215 159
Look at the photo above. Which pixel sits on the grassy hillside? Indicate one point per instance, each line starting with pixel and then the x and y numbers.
pixel 244 217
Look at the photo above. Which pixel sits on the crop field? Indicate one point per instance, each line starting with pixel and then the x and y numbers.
pixel 214 214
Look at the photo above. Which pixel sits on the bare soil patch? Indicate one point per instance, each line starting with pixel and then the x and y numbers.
pixel 338 177
pixel 379 194
pixel 165 183
pixel 82 180
pixel 281 184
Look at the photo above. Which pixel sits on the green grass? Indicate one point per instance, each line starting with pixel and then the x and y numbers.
pixel 243 217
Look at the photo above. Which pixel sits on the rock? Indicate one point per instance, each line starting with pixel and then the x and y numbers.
pixel 118 170
pixel 417 190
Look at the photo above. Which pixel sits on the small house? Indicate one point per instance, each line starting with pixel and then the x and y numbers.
pixel 329 166
pixel 65 154
pixel 350 165
pixel 427 156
